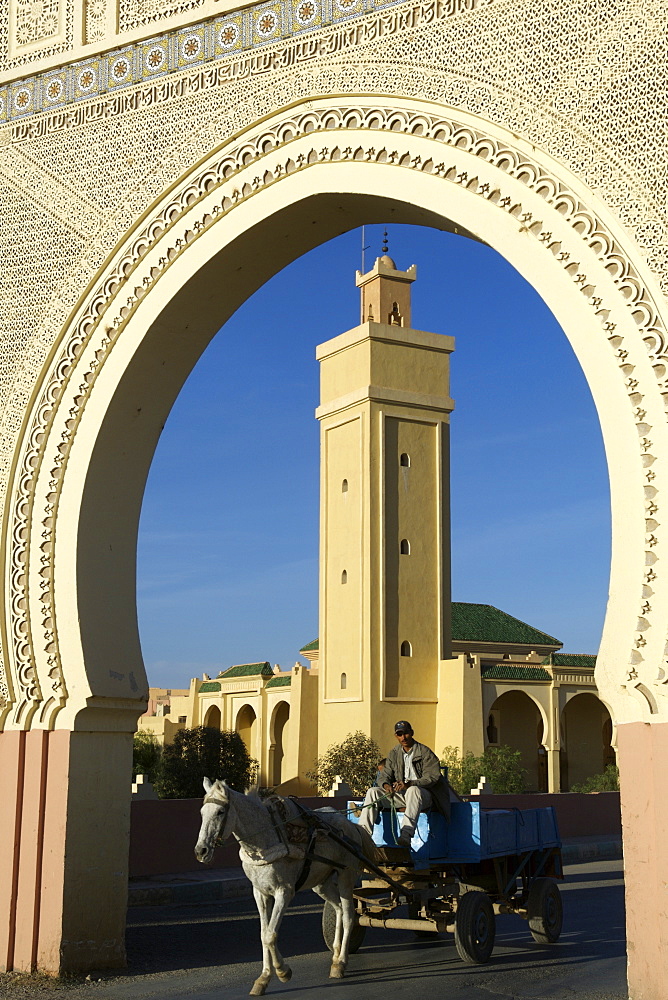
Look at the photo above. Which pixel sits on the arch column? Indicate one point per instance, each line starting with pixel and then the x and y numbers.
pixel 642 756
pixel 552 740
pixel 65 795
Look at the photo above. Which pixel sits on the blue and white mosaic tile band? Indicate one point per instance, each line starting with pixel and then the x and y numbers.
pixel 208 43
pixel 177 50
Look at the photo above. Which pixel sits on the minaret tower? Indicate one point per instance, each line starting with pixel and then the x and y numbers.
pixel 384 516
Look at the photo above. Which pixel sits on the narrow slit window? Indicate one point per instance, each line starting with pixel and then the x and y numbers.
pixel 344 682
pixel 344 576
pixel 344 486
pixel 405 461
pixel 406 648
pixel 405 547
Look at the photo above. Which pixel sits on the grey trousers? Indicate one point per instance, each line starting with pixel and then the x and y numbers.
pixel 415 800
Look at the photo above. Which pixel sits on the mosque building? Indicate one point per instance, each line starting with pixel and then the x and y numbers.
pixel 392 644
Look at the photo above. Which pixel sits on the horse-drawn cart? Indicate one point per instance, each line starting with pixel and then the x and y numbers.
pixel 457 876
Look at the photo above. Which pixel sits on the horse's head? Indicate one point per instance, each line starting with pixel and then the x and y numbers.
pixel 216 819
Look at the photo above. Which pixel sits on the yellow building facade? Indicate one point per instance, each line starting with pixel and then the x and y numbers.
pixel 392 644
pixel 506 683
pixel 275 712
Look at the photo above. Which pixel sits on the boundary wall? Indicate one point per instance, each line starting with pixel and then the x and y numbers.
pixel 163 832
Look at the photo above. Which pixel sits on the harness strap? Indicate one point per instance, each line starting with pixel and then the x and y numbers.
pixel 314 824
pixel 308 860
pixel 279 827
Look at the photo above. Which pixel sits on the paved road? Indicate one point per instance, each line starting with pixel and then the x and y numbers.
pixel 212 952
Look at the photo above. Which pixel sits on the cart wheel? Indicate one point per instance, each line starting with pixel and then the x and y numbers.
pixel 474 928
pixel 545 910
pixel 329 929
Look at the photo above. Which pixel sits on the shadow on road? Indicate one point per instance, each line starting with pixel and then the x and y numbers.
pixel 166 939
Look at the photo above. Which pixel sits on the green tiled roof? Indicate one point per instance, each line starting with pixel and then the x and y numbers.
pixel 484 623
pixel 312 647
pixel 501 672
pixel 247 670
pixel 279 681
pixel 210 686
pixel 571 660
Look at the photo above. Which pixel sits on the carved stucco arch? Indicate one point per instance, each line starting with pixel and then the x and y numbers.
pixel 503 689
pixel 274 714
pixel 252 204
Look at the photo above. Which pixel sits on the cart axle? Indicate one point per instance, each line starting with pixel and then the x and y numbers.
pixel 405 923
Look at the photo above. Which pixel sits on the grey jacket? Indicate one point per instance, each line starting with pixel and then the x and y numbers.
pixel 428 770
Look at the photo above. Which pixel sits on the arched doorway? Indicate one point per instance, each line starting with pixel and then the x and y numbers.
pixel 279 738
pixel 587 737
pixel 233 236
pixel 246 209
pixel 518 723
pixel 212 719
pixel 245 726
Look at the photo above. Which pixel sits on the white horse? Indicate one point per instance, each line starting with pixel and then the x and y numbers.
pixel 278 866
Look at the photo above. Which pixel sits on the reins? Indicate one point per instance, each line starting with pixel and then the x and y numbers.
pixel 315 823
pixel 282 823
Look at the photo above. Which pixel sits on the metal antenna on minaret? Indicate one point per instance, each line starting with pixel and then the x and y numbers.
pixel 364 247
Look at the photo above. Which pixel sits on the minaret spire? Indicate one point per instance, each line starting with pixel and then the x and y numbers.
pixel 386 291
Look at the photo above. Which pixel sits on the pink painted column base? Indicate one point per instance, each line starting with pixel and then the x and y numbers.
pixel 64 829
pixel 643 766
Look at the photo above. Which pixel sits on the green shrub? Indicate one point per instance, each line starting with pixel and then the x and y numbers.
pixel 608 781
pixel 199 752
pixel 502 766
pixel 355 759
pixel 146 754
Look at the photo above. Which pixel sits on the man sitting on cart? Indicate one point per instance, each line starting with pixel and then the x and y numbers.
pixel 412 777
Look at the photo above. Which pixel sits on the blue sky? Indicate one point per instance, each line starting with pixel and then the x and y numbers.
pixel 228 543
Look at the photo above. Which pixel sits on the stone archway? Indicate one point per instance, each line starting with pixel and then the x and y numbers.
pixel 511 201
pixel 246 726
pixel 212 717
pixel 521 726
pixel 278 739
pixel 586 739
pixel 290 181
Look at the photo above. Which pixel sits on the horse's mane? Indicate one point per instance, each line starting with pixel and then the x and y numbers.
pixel 254 793
pixel 331 816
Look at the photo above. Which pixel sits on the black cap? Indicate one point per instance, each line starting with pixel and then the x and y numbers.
pixel 403 727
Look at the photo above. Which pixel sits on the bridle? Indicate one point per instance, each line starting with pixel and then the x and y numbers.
pixel 225 805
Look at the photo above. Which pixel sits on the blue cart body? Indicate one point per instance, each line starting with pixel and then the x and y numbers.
pixel 473 834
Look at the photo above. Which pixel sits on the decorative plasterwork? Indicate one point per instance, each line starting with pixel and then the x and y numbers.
pixel 426 143
pixel 135 13
pixel 34 29
pixel 96 16
pixel 36 21
pixel 580 680
pixel 48 193
pixel 584 83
